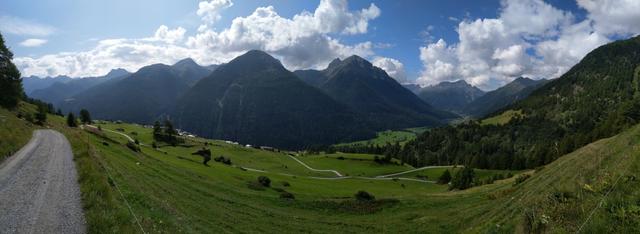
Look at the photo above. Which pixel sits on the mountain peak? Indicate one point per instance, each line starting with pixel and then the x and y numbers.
pixel 334 63
pixel 357 60
pixel 256 58
pixel 186 62
pixel 116 73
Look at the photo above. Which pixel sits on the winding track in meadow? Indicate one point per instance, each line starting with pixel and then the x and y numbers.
pixel 39 191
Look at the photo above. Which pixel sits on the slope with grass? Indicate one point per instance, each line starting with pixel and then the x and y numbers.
pixel 353 164
pixel 15 132
pixel 174 192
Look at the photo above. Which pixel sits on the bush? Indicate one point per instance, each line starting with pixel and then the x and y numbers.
pixel 223 159
pixel 154 145
pixel 445 178
pixel 364 196
pixel 131 145
pixel 463 179
pixel 287 195
pixel 71 120
pixel 521 178
pixel 264 181
pixel 285 184
pixel 136 141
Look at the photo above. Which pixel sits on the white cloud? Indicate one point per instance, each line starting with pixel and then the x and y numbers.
pixel 439 63
pixel 393 67
pixel 19 26
pixel 210 11
pixel 33 42
pixel 614 16
pixel 529 38
pixel 302 41
pixel 170 36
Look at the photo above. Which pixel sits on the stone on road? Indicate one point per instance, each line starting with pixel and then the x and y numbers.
pixel 39 192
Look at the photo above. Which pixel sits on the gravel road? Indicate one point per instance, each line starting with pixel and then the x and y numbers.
pixel 39 192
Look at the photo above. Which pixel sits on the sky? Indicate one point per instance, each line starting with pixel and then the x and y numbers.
pixel 487 43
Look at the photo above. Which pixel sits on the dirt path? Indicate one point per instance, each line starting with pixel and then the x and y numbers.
pixel 313 169
pixel 39 192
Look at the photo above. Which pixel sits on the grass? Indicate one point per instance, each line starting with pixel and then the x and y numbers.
pixel 174 192
pixel 390 137
pixel 353 164
pixel 433 174
pixel 277 162
pixel 502 118
pixel 14 132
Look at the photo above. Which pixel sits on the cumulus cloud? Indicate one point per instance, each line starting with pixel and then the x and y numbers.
pixel 302 41
pixel 210 10
pixel 620 17
pixel 19 26
pixel 393 67
pixel 169 36
pixel 528 38
pixel 33 42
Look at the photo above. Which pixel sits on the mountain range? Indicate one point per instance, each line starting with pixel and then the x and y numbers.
pixel 466 100
pixel 502 97
pixel 253 99
pixel 370 91
pixel 597 98
pixel 450 96
pixel 63 89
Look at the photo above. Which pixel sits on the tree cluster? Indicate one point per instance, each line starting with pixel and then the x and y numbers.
pixel 166 133
pixel 10 81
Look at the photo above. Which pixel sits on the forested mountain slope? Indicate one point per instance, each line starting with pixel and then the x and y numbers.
pixel 597 98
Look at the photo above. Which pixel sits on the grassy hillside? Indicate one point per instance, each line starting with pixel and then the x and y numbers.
pixel 15 132
pixel 389 137
pixel 353 164
pixel 173 194
pixel 592 190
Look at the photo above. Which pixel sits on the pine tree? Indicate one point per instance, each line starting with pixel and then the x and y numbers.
pixel 85 117
pixel 157 130
pixel 463 179
pixel 10 81
pixel 445 178
pixel 41 115
pixel 71 120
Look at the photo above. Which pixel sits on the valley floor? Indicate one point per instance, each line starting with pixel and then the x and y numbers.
pixel 169 190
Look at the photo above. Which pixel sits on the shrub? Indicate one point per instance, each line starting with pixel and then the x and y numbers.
pixel 340 158
pixel 71 120
pixel 285 184
pixel 227 161
pixel 154 145
pixel 445 178
pixel 521 178
pixel 131 145
pixel 463 179
pixel 264 181
pixel 364 196
pixel 136 141
pixel 287 195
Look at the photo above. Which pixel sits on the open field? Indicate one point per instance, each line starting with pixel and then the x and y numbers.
pixel 390 137
pixel 353 164
pixel 433 174
pixel 502 118
pixel 174 192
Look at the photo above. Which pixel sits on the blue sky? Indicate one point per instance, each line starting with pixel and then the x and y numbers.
pixel 74 29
